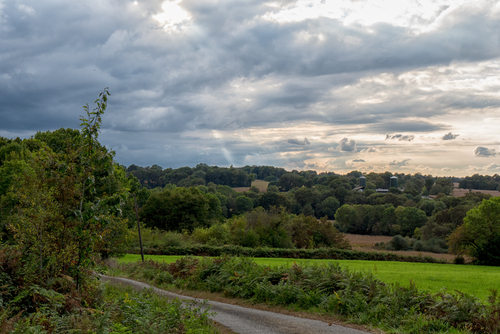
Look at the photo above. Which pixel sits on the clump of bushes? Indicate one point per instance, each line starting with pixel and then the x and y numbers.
pixel 355 296
pixel 400 243
pixel 274 228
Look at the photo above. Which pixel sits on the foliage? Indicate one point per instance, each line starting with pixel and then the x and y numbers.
pixel 315 253
pixel 110 309
pixel 180 209
pixel 68 205
pixel 479 236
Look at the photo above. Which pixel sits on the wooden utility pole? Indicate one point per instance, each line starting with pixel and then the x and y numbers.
pixel 138 227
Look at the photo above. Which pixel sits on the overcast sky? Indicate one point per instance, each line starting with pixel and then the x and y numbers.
pixel 400 86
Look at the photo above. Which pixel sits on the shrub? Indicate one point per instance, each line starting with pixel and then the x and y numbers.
pixel 398 242
pixel 418 246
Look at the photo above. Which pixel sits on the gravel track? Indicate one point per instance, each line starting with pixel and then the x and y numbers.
pixel 250 321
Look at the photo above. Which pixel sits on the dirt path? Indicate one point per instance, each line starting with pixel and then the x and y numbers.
pixel 251 321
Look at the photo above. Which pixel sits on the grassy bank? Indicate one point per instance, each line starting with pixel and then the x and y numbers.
pixel 475 280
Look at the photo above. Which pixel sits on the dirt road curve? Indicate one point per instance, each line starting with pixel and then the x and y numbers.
pixel 250 321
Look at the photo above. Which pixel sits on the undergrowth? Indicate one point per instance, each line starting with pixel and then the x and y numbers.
pixel 328 288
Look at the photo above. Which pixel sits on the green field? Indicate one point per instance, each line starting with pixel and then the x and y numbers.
pixel 476 280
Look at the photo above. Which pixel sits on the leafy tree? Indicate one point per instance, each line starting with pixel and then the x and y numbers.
pixel 290 181
pixel 243 204
pixel 429 183
pixel 308 210
pixel 479 235
pixel 180 209
pixel 66 209
pixel 329 206
pixel 273 199
pixel 409 218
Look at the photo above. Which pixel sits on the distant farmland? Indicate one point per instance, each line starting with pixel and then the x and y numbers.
pixel 261 184
pixel 366 243
pixel 457 192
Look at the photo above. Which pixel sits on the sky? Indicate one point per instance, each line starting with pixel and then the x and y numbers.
pixel 395 85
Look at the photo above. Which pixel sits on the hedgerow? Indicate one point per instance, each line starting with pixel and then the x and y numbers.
pixel 316 253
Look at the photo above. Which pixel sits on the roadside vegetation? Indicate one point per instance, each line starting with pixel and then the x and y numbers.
pixel 474 280
pixel 353 296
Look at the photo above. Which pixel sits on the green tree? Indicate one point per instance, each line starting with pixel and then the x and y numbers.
pixel 329 206
pixel 479 235
pixel 243 204
pixel 409 218
pixel 429 183
pixel 65 204
pixel 290 181
pixel 180 209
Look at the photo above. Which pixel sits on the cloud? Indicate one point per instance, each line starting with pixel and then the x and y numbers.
pixel 450 136
pixel 237 68
pixel 492 166
pixel 370 150
pixel 400 163
pixel 347 145
pixel 485 152
pixel 358 160
pixel 400 137
pixel 28 10
pixel 298 142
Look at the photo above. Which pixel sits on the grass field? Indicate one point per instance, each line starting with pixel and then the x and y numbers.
pixel 476 280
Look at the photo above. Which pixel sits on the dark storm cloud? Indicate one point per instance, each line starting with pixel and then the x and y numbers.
pixel 407 126
pixel 347 145
pixel 400 137
pixel 450 136
pixel 227 69
pixel 484 152
pixel 299 142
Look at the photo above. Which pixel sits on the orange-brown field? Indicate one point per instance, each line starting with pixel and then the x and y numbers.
pixel 366 243
pixel 463 192
pixel 261 184
pixel 457 192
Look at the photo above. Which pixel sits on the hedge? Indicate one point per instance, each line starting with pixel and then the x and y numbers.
pixel 316 253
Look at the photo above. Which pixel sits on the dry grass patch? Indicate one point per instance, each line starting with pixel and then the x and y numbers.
pixel 463 192
pixel 261 184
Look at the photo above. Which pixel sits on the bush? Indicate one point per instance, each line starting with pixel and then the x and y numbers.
pixel 398 242
pixel 418 246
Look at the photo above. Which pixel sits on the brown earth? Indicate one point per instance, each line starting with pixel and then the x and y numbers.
pixel 366 243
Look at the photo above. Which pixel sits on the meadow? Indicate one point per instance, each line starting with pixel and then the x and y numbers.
pixel 475 280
